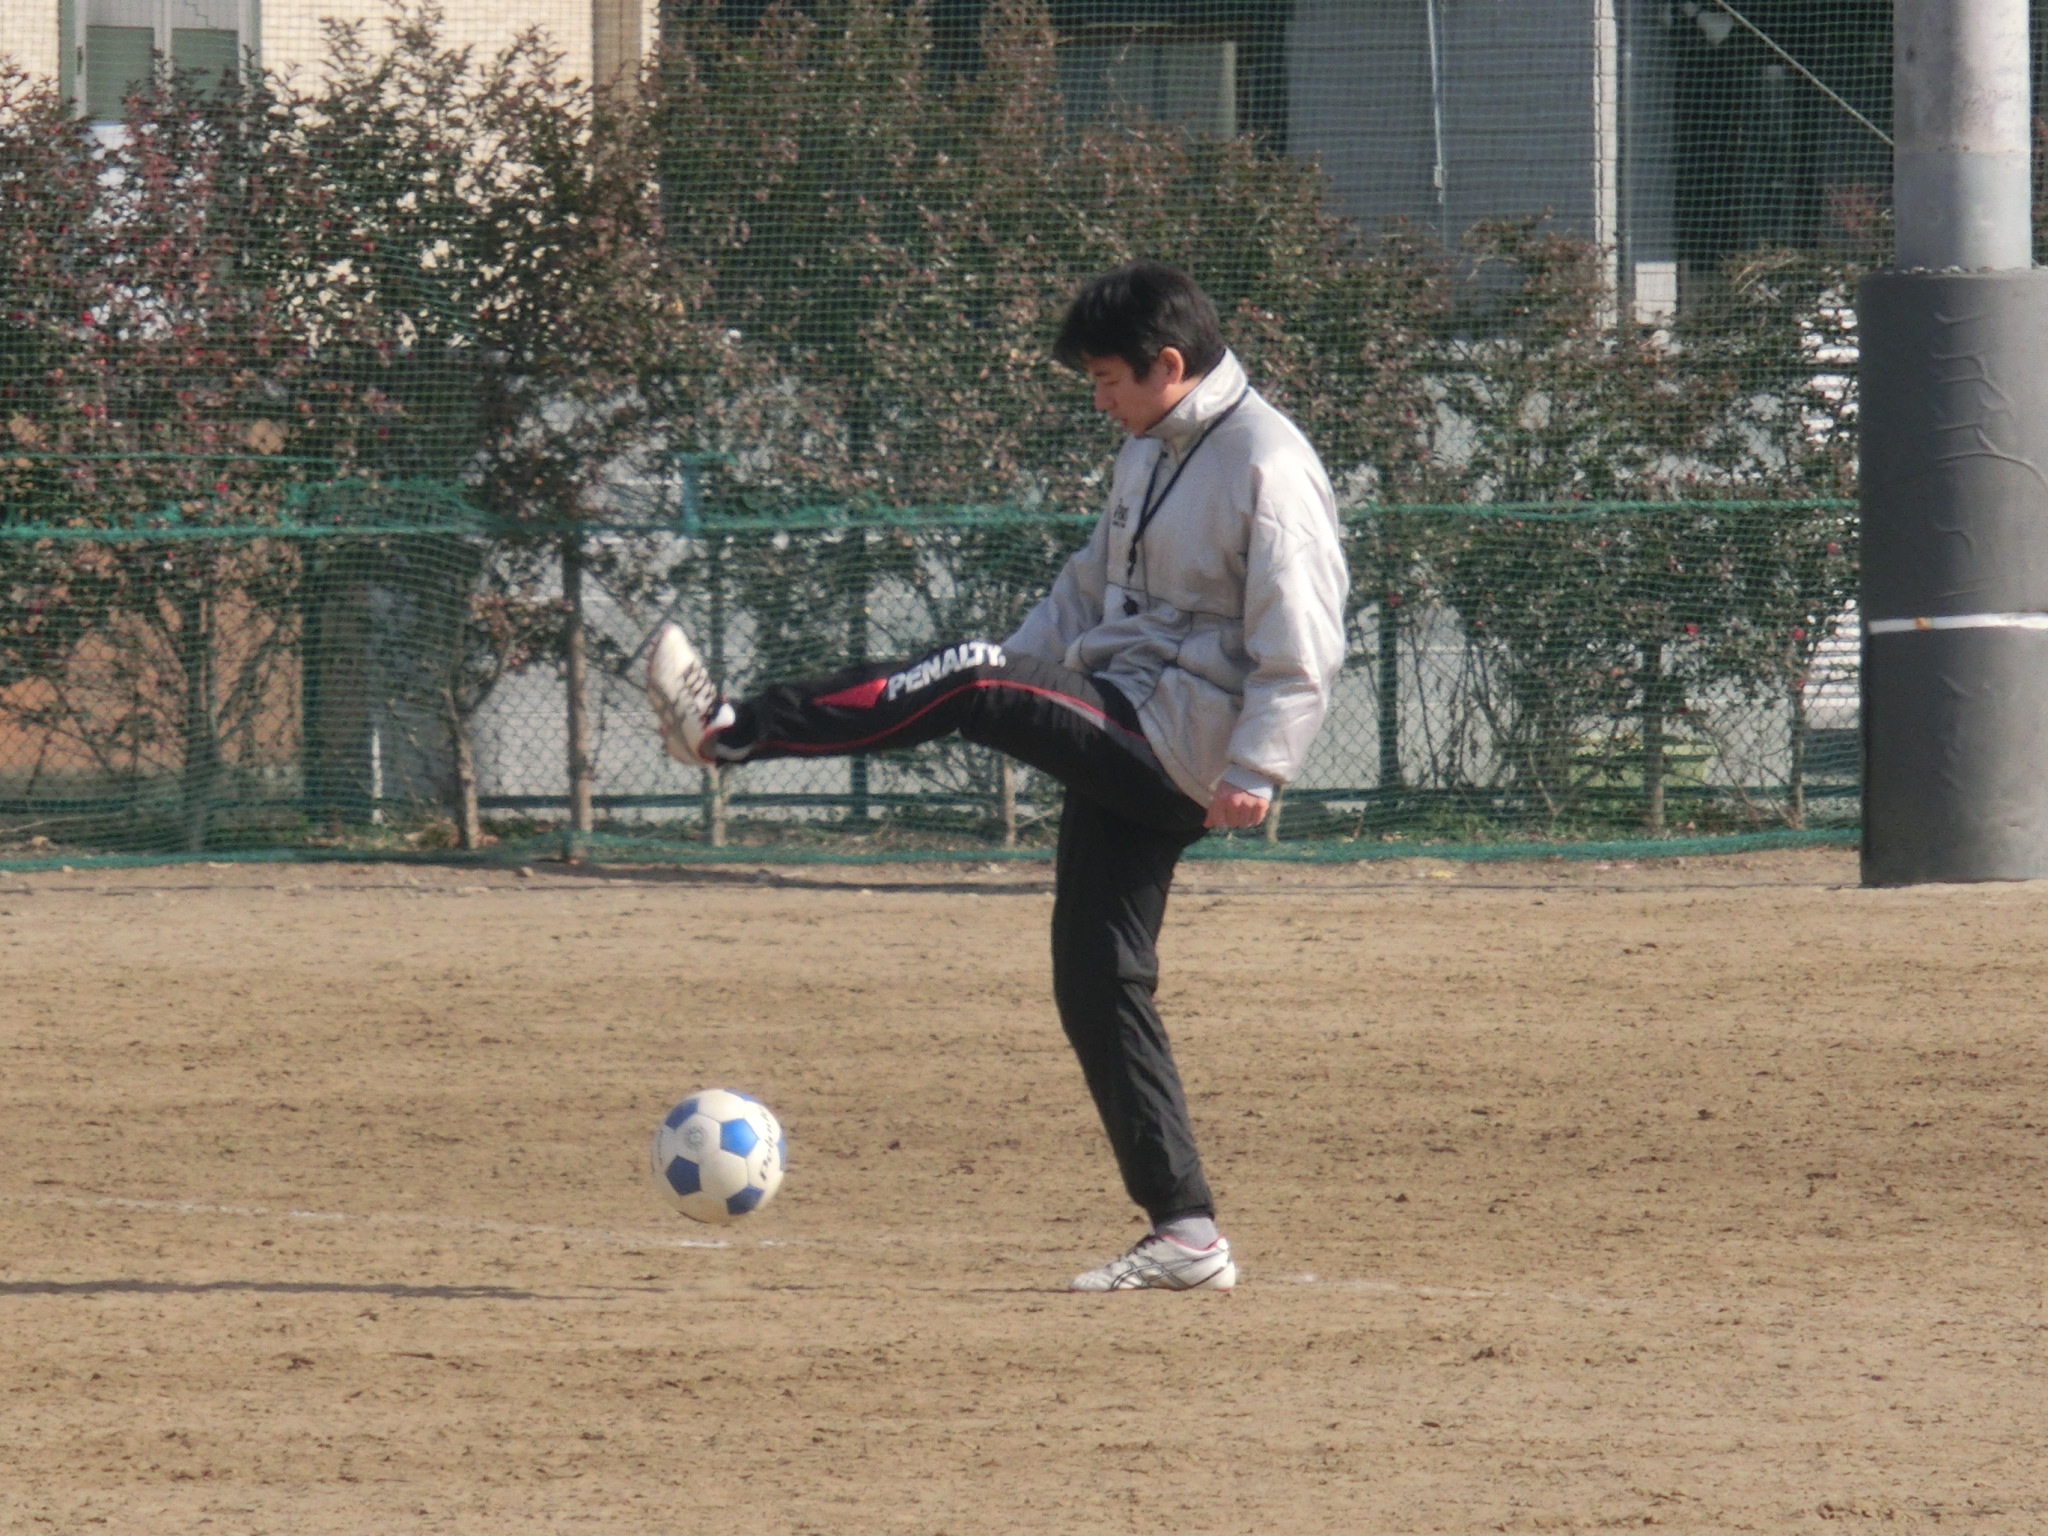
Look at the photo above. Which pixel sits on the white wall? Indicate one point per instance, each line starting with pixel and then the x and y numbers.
pixel 29 34
pixel 291 34
pixel 292 28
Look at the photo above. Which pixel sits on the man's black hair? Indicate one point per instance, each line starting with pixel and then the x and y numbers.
pixel 1135 313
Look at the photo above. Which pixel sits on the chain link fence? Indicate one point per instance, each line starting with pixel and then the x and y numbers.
pixel 1518 681
pixel 369 389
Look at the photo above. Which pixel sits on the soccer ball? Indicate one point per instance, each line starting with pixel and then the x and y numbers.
pixel 718 1155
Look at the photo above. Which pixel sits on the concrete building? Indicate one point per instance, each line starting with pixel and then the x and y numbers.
pixel 98 49
pixel 1673 134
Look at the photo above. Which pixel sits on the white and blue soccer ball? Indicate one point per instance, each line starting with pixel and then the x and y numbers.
pixel 718 1155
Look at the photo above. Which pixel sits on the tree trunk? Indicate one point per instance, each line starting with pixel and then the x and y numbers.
pixel 1653 736
pixel 335 716
pixel 714 806
pixel 717 786
pixel 313 770
pixel 1541 743
pixel 202 744
pixel 1389 689
pixel 1795 815
pixel 1006 798
pixel 468 822
pixel 577 673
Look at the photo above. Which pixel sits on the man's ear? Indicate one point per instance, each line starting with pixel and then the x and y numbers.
pixel 1175 365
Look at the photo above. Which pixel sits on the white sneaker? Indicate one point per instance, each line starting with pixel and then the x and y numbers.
pixel 1162 1264
pixel 685 700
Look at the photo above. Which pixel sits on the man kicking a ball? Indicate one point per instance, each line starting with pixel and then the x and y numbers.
pixel 1172 680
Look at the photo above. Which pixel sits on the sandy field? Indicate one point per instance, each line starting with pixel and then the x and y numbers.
pixel 1706 1195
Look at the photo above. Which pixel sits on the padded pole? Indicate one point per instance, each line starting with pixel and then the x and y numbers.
pixel 1954 467
pixel 1955 576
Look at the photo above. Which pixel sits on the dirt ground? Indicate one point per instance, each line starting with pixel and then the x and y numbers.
pixel 1707 1195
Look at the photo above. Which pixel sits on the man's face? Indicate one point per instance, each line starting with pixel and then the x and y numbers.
pixel 1133 403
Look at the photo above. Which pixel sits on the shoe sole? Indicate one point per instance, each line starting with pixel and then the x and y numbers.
pixel 1223 1279
pixel 672 739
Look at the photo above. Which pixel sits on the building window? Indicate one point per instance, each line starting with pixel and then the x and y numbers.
pixel 1213 67
pixel 1188 82
pixel 114 43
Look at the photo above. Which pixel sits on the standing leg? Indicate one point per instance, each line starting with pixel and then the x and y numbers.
pixel 1110 899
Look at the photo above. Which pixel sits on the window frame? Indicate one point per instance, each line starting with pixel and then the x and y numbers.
pixel 73 18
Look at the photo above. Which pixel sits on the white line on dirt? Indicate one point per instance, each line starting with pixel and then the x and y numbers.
pixel 595 1236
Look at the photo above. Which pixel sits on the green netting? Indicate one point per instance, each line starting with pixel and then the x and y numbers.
pixel 1519 679
pixel 368 390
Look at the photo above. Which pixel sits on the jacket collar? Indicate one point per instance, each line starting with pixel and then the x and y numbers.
pixel 1200 407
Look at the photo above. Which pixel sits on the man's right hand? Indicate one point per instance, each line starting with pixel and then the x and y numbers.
pixel 1234 807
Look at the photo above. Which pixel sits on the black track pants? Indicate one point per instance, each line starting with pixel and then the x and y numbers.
pixel 1123 831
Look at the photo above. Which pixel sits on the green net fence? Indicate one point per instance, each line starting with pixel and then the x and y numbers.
pixel 1518 677
pixel 371 385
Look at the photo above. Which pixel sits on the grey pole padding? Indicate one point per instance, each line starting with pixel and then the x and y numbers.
pixel 1955 576
pixel 1962 128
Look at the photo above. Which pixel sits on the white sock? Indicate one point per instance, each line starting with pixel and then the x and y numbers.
pixel 1191 1231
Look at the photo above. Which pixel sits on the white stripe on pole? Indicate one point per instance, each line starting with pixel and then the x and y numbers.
pixel 1956 621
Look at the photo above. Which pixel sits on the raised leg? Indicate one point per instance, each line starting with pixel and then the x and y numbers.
pixel 1067 724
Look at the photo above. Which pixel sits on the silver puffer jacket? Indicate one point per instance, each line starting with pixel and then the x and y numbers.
pixel 1229 633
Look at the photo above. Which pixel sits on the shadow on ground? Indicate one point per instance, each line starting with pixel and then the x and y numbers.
pixel 275 1288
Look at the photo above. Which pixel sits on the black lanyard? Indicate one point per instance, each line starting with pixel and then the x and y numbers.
pixel 1149 507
